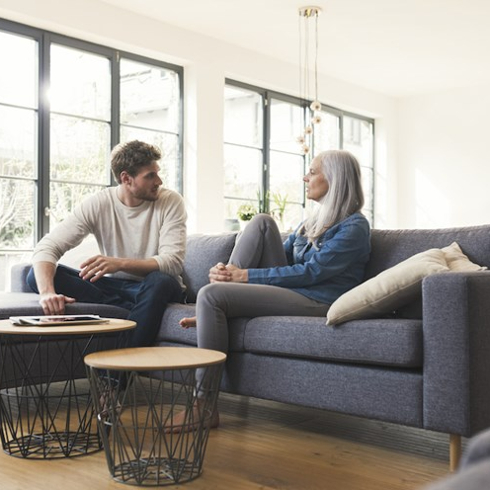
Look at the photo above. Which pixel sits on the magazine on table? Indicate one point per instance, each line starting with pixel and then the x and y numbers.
pixel 53 320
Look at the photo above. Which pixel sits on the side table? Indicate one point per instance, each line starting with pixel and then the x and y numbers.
pixel 46 411
pixel 143 443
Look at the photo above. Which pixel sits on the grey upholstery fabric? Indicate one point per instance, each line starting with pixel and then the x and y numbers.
pixel 389 247
pixel 456 352
pixel 16 304
pixel 18 278
pixel 383 342
pixel 204 251
pixel 387 394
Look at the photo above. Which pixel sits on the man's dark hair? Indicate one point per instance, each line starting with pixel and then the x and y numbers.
pixel 131 156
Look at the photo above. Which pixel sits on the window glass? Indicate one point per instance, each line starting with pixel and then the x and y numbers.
pixel 18 58
pixel 327 133
pixel 18 149
pixel 243 117
pixel 358 139
pixel 243 172
pixel 287 122
pixel 80 83
pixel 150 96
pixel 18 138
pixel 286 175
pixel 17 219
pixel 79 150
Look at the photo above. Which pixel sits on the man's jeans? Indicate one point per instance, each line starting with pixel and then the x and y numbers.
pixel 146 300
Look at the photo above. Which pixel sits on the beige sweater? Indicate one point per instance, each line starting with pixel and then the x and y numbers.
pixel 155 229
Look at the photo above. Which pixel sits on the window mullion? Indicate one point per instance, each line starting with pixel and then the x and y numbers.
pixel 44 137
pixel 115 104
pixel 264 204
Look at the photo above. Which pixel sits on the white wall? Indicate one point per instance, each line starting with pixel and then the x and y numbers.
pixel 444 159
pixel 206 62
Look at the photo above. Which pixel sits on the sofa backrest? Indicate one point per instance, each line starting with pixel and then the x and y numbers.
pixel 389 247
pixel 202 253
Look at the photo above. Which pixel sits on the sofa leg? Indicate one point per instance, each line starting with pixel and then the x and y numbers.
pixel 454 451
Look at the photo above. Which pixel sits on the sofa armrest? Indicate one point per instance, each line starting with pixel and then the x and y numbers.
pixel 456 333
pixel 18 278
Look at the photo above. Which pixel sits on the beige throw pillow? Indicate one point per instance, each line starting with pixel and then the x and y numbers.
pixel 457 261
pixel 389 290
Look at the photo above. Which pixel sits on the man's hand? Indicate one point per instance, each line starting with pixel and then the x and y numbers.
pixel 99 265
pixel 227 273
pixel 54 304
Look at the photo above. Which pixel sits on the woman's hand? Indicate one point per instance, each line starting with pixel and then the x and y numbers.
pixel 237 275
pixel 227 273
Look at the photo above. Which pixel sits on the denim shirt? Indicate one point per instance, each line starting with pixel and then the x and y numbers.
pixel 324 272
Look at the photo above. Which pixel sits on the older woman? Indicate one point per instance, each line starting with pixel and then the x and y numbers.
pixel 303 276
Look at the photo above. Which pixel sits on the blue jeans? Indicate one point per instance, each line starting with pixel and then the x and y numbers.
pixel 146 300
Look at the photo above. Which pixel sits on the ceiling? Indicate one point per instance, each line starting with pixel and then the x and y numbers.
pixel 396 47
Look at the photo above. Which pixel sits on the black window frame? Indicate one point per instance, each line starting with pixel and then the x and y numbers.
pixel 45 39
pixel 266 96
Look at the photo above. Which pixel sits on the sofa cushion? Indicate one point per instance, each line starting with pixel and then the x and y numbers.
pixel 380 342
pixel 389 290
pixel 203 252
pixel 392 342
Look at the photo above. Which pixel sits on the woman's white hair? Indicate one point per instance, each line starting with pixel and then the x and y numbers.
pixel 344 197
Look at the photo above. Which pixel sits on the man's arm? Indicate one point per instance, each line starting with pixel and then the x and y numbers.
pixel 51 302
pixel 172 237
pixel 96 267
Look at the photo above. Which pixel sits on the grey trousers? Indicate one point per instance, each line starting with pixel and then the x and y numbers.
pixel 259 246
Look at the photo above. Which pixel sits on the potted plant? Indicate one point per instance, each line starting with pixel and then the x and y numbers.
pixel 246 212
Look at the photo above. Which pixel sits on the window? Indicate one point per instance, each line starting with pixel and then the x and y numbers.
pixel 264 164
pixel 64 104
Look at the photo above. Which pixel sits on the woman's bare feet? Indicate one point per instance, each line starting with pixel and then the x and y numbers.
pixel 189 322
pixel 186 422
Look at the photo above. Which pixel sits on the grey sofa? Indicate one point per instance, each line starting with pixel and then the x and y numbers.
pixel 425 365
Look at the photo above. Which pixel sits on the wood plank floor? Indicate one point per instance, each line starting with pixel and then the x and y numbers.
pixel 267 445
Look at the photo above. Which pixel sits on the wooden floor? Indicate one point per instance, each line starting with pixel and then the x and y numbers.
pixel 266 445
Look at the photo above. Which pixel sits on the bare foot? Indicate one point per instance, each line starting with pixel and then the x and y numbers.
pixel 189 322
pixel 186 422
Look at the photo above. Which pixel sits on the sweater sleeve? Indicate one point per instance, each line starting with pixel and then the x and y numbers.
pixel 172 236
pixel 335 255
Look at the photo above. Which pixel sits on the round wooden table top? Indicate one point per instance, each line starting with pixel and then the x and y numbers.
pixel 113 325
pixel 154 358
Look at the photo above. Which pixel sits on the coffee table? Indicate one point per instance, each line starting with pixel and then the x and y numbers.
pixel 46 410
pixel 143 442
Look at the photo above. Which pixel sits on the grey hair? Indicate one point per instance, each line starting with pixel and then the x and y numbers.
pixel 344 197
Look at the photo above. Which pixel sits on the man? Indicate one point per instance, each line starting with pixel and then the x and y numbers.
pixel 140 229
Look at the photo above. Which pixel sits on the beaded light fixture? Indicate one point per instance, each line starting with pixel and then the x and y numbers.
pixel 308 49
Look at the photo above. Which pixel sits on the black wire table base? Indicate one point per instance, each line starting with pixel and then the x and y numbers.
pixel 46 409
pixel 143 442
